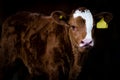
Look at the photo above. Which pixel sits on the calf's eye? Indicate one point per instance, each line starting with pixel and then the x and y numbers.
pixel 73 28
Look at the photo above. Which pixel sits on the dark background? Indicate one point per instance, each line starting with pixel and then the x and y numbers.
pixel 104 59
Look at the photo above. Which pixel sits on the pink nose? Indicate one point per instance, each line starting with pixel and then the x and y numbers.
pixel 86 43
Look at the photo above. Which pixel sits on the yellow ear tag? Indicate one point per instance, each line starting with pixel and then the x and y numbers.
pixel 102 24
pixel 60 17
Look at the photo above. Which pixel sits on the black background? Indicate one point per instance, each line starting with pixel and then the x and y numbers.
pixel 104 59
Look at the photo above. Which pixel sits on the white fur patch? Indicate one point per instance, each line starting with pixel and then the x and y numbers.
pixel 87 16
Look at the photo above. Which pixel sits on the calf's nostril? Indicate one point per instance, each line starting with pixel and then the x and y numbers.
pixel 90 42
pixel 82 42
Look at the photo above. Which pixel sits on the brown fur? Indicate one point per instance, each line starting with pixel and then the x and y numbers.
pixel 47 45
pixel 38 41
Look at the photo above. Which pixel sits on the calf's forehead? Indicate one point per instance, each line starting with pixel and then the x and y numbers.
pixel 85 14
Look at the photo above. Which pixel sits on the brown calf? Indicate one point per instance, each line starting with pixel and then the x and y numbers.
pixel 51 47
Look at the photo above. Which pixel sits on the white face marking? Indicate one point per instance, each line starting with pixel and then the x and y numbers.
pixel 87 16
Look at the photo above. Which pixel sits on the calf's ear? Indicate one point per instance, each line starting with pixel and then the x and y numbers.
pixel 102 20
pixel 59 17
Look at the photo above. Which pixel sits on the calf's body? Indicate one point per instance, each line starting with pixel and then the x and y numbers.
pixel 51 47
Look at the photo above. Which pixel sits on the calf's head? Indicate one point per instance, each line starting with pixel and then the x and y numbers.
pixel 81 23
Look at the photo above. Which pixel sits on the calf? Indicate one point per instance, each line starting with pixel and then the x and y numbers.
pixel 51 47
